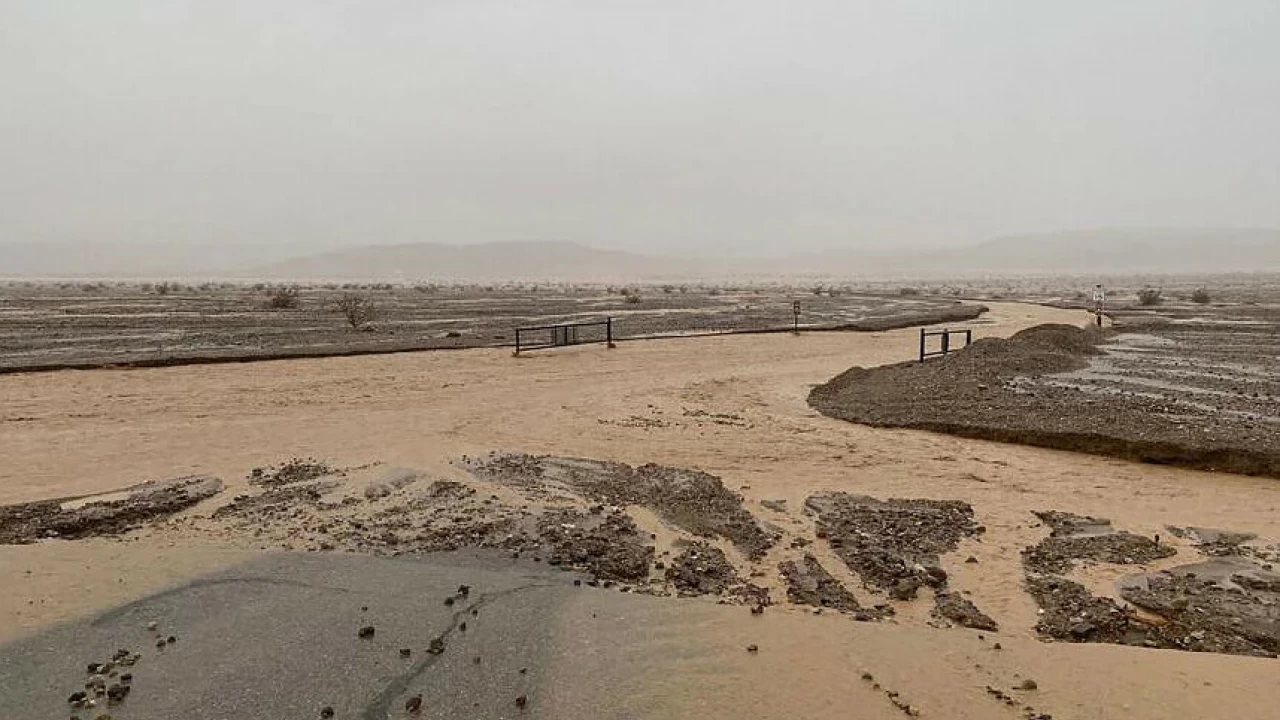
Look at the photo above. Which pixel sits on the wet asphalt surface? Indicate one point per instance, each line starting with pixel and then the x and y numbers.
pixel 278 638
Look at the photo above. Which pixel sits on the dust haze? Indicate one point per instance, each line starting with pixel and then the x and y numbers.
pixel 232 136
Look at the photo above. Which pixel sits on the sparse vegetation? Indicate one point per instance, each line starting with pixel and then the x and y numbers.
pixel 1201 296
pixel 359 310
pixel 283 298
pixel 908 291
pixel 1149 296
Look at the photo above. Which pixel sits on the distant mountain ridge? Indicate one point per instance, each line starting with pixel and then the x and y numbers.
pixel 487 262
pixel 1100 252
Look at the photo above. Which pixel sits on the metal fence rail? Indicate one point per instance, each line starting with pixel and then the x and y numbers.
pixel 945 345
pixel 542 337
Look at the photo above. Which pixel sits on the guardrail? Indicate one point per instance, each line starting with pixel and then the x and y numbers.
pixel 563 335
pixel 945 345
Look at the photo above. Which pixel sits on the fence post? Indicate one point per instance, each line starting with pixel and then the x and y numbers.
pixel 946 341
pixel 608 331
pixel 921 344
pixel 517 341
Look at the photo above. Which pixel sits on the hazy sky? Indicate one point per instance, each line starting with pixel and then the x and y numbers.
pixel 741 124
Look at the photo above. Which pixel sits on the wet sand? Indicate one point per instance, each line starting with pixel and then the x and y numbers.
pixel 732 406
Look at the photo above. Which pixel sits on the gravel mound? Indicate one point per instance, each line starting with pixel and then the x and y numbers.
pixel 1031 389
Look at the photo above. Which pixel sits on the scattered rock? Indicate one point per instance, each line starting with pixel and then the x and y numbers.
pixel 808 583
pixel 366 632
pixel 893 545
pixel 961 611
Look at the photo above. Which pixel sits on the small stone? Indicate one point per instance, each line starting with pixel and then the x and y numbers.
pixel 462 627
pixel 366 632
pixel 868 676
pixel 524 670
pixel 436 647
pixel 77 696
pixel 364 608
pixel 1028 684
pixel 448 602
pixel 413 705
pixel 522 701
pixel 972 560
pixel 577 583
pixel 996 647
pixel 152 625
pixel 172 640
pixel 476 660
pixel 117 692
pixel 464 590
pixel 405 652
pixel 753 648
pixel 126 678
pixel 326 712
pixel 160 643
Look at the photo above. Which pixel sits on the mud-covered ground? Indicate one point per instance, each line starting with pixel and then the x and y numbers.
pixel 1177 383
pixel 1226 604
pixel 683 533
pixel 95 324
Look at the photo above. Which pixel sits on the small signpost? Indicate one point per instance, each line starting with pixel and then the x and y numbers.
pixel 795 313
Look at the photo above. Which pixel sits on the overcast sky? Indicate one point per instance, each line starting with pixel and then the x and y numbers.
pixel 757 126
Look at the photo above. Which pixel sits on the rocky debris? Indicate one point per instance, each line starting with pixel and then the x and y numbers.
pixel 326 712
pixel 960 610
pixel 695 501
pixel 522 701
pixel 413 705
pixel 366 632
pixel 779 506
pixel 893 545
pixel 1074 537
pixel 436 647
pixel 608 546
pixel 808 583
pixel 703 569
pixel 1215 543
pixel 1049 386
pixel 1225 606
pixel 277 503
pixel 85 517
pixel 1070 612
pixel 294 470
pixel 376 491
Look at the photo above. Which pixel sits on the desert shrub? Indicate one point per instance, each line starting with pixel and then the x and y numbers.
pixel 816 289
pixel 633 298
pixel 1150 296
pixel 283 298
pixel 1201 296
pixel 908 291
pixel 668 289
pixel 358 310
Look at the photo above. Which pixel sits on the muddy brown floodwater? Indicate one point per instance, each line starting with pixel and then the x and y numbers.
pixel 692 471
